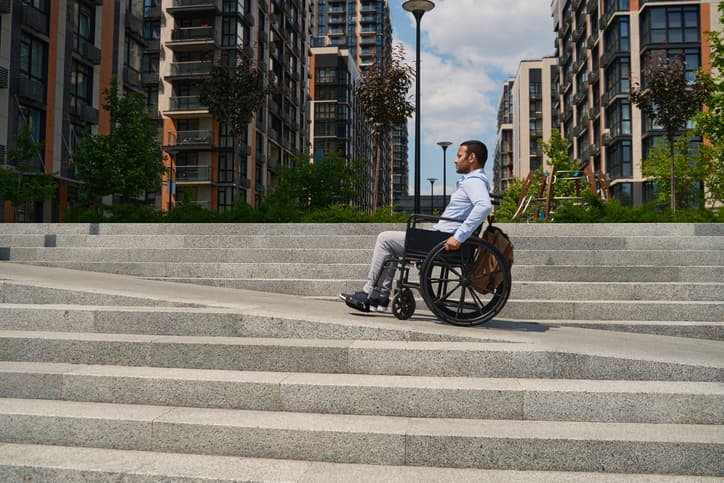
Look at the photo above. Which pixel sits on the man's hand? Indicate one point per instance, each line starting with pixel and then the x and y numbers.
pixel 452 244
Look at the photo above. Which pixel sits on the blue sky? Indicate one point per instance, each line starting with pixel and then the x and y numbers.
pixel 468 49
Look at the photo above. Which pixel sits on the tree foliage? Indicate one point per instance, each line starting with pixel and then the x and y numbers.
pixel 235 90
pixel 689 166
pixel 557 151
pixel 711 121
pixel 25 183
pixel 318 185
pixel 382 93
pixel 128 160
pixel 670 100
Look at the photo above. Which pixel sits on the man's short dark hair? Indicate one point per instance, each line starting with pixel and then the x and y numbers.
pixel 479 148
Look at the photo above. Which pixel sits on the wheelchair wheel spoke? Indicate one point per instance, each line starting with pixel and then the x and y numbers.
pixel 444 297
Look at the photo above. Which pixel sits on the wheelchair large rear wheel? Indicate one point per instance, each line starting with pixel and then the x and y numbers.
pixel 468 286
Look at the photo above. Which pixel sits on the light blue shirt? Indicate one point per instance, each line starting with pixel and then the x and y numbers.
pixel 469 202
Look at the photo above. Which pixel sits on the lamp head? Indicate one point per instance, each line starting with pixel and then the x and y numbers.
pixel 418 7
pixel 444 144
pixel 432 180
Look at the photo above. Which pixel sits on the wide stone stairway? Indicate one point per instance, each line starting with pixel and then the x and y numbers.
pixel 211 352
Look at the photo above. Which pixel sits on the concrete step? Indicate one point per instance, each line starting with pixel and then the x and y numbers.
pixel 657 310
pixel 387 440
pixel 213 322
pixel 444 359
pixel 282 229
pixel 408 396
pixel 24 462
pixel 673 328
pixel 180 240
pixel 356 272
pixel 581 258
pixel 12 292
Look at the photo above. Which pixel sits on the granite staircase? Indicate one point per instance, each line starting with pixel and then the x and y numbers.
pixel 110 369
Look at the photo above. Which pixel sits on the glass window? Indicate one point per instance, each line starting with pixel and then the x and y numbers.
pixel 134 54
pixel 84 19
pixel 671 24
pixel 81 82
pixel 33 58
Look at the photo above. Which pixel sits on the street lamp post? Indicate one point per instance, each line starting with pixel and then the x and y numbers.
pixel 418 9
pixel 432 195
pixel 444 145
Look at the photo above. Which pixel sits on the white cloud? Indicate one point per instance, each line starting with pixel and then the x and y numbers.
pixel 468 49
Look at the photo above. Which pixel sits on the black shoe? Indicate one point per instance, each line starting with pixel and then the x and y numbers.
pixel 358 301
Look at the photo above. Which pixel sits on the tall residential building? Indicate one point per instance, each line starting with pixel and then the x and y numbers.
pixel 205 165
pixel 337 122
pixel 524 120
pixel 364 29
pixel 57 57
pixel 602 47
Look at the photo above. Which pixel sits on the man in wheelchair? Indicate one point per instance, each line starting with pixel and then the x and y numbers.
pixel 470 203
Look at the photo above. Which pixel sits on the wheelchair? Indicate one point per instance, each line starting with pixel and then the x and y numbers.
pixel 464 287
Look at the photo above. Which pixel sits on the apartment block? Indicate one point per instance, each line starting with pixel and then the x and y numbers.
pixel 524 120
pixel 57 57
pixel 364 29
pixel 602 47
pixel 337 122
pixel 206 167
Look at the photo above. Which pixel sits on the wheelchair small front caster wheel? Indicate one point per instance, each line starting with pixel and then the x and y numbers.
pixel 403 304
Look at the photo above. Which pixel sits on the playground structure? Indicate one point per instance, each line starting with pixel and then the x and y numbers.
pixel 542 204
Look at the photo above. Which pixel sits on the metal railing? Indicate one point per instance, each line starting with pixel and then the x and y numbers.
pixel 187 103
pixel 193 33
pixel 189 138
pixel 191 68
pixel 196 172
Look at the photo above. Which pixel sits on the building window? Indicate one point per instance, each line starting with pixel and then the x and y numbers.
pixel 230 29
pixel 152 29
pixel 622 192
pixel 84 16
pixel 224 199
pixel 41 5
pixel 618 76
pixel 134 54
pixel 325 111
pixel 226 167
pixel 672 25
pixel 615 5
pixel 36 119
pixel 618 36
pixel 618 117
pixel 81 86
pixel 326 75
pixel 33 58
pixel 618 160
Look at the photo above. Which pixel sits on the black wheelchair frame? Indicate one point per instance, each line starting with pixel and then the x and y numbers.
pixel 457 286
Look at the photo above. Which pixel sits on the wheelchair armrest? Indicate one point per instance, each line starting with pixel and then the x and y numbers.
pixel 416 218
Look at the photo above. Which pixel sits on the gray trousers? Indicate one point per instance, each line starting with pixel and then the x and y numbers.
pixel 390 245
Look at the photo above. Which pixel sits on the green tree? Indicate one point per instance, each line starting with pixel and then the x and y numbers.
pixel 311 186
pixel 25 183
pixel 235 90
pixel 711 121
pixel 383 96
pixel 689 166
pixel 557 151
pixel 670 100
pixel 128 160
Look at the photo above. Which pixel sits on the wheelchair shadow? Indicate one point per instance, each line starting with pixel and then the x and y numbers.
pixel 500 324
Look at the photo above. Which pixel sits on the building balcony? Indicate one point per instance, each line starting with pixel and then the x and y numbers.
pixel 34 18
pixel 580 62
pixel 32 90
pixel 593 76
pixel 612 94
pixel 150 77
pixel 131 76
pixel 193 174
pixel 189 70
pixel 84 112
pixel 86 50
pixel 580 30
pixel 193 7
pixel 152 12
pixel 610 55
pixel 201 140
pixel 580 96
pixel 590 42
pixel 192 38
pixel 134 24
pixel 186 104
pixel 607 16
